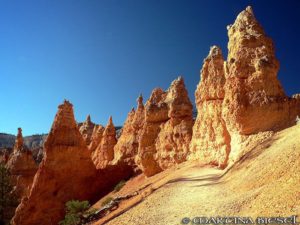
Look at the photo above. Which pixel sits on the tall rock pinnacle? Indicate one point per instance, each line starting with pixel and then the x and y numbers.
pixel 104 153
pixel 22 167
pixel 127 147
pixel 254 99
pixel 86 129
pixel 167 131
pixel 64 174
pixel 211 141
pixel 19 140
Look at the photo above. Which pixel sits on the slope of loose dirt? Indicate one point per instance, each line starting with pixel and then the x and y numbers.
pixel 264 182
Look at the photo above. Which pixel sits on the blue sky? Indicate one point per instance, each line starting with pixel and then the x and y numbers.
pixel 101 54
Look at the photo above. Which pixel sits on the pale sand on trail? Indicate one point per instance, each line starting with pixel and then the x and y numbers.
pixel 264 182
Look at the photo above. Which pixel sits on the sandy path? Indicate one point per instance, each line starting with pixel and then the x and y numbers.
pixel 266 182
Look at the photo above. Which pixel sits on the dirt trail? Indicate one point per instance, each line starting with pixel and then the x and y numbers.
pixel 265 182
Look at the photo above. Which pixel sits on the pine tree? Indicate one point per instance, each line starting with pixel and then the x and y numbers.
pixel 7 198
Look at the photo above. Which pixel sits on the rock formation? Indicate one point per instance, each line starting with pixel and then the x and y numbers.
pixel 66 172
pixel 254 99
pixel 86 129
pixel 167 130
pixel 241 98
pixel 104 153
pixel 128 143
pixel 96 137
pixel 21 166
pixel 175 135
pixel 19 141
pixel 156 112
pixel 211 140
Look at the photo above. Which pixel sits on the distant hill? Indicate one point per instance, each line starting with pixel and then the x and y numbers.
pixel 32 142
pixel 7 140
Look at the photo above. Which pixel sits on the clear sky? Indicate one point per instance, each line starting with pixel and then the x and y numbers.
pixel 101 54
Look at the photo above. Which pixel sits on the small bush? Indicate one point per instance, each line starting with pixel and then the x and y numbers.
pixel 119 186
pixel 75 210
pixel 106 201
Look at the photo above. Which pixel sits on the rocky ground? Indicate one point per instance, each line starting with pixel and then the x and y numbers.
pixel 264 182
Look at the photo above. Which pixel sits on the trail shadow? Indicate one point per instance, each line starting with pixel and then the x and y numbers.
pixel 255 151
pixel 206 180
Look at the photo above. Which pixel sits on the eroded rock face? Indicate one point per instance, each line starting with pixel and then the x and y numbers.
pixel 156 112
pixel 128 143
pixel 167 130
pixel 254 98
pixel 104 153
pixel 173 141
pixel 19 143
pixel 96 137
pixel 66 172
pixel 86 129
pixel 241 98
pixel 211 140
pixel 21 166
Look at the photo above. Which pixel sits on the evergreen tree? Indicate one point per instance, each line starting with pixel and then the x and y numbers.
pixel 75 210
pixel 7 198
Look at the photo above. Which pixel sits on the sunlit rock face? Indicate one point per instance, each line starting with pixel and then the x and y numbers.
pixel 167 130
pixel 254 99
pixel 211 141
pixel 240 97
pixel 86 129
pixel 173 141
pixel 67 172
pixel 104 153
pixel 21 166
pixel 128 143
pixel 156 112
pixel 96 137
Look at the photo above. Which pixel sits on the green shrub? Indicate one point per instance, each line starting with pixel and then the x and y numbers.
pixel 75 210
pixel 8 198
pixel 120 185
pixel 106 201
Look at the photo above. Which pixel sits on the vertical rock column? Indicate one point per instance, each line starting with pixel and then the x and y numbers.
pixel 104 153
pixel 127 147
pixel 175 135
pixel 21 166
pixel 211 140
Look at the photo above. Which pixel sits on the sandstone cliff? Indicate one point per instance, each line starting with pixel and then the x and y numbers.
pixel 66 172
pixel 96 137
pixel 104 153
pixel 211 140
pixel 173 141
pixel 21 166
pixel 241 97
pixel 128 143
pixel 86 129
pixel 167 130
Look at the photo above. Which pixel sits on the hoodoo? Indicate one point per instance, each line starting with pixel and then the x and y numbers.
pixel 175 135
pixel 104 153
pixel 211 140
pixel 128 144
pixel 86 129
pixel 64 174
pixel 21 166
pixel 167 130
